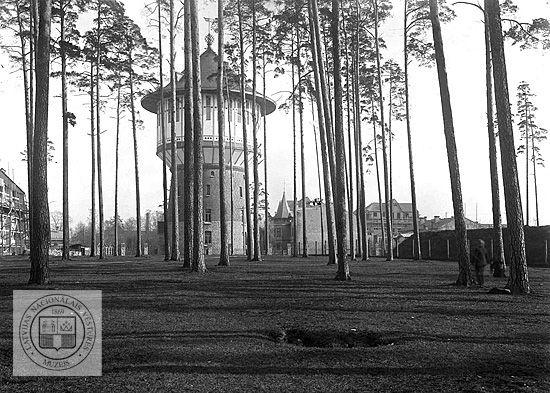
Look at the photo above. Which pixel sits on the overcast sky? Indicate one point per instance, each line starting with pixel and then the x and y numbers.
pixel 464 50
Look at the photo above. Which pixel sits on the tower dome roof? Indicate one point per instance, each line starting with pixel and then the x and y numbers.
pixel 209 81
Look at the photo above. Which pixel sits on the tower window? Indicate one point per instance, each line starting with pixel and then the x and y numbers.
pixel 208 108
pixel 207 237
pixel 241 191
pixel 208 190
pixel 178 109
pixel 211 173
pixel 208 215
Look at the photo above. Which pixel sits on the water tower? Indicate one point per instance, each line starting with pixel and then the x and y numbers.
pixel 233 122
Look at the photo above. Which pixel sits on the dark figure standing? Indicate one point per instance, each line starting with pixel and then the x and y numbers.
pixel 479 259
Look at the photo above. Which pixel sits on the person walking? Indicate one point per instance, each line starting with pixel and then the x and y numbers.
pixel 479 259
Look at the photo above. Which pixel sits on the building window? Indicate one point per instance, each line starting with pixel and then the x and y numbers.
pixel 208 190
pixel 178 109
pixel 208 108
pixel 247 112
pixel 208 215
pixel 241 191
pixel 242 215
pixel 230 110
pixel 207 237
pixel 278 233
pixel 239 113
pixel 211 173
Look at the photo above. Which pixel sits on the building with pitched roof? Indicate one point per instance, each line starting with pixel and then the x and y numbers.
pixel 281 229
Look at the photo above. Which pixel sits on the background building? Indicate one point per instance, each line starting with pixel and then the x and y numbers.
pixel 14 218
pixel 233 145
pixel 448 223
pixel 281 229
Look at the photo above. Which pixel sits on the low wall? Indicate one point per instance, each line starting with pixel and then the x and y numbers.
pixel 441 245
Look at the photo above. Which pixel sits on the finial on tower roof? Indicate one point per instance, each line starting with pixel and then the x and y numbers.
pixel 209 37
pixel 209 40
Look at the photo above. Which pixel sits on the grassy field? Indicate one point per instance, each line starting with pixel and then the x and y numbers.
pixel 169 330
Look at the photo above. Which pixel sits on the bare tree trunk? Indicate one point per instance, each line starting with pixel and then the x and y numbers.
pixel 302 158
pixel 359 150
pixel 389 243
pixel 519 279
pixel 325 96
pixel 163 135
pixel 266 206
pixel 198 264
pixel 294 158
pixel 116 162
pixel 340 175
pixel 92 133
pixel 40 237
pixel 28 100
pixel 323 134
pixel 230 108
pixel 224 257
pixel 382 231
pixel 318 178
pixel 361 236
pixel 526 160
pixel 416 232
pixel 136 167
pixel 189 154
pixel 98 135
pixel 245 137
pixel 390 156
pixel 257 254
pixel 533 159
pixel 350 152
pixel 30 131
pixel 361 172
pixel 529 127
pixel 65 120
pixel 174 156
pixel 330 116
pixel 464 274
pixel 498 254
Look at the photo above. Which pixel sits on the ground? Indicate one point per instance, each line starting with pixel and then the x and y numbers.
pixel 165 329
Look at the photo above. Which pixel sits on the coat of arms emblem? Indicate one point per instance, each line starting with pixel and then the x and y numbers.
pixel 57 332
